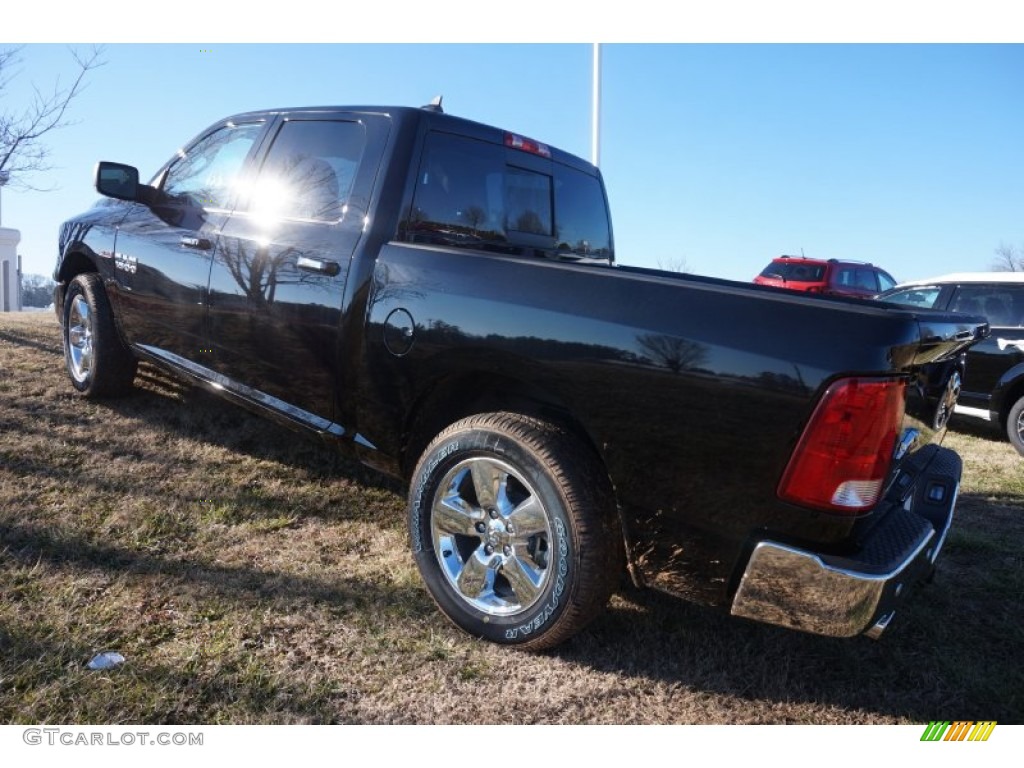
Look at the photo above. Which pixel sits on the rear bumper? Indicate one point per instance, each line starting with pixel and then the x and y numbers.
pixel 858 594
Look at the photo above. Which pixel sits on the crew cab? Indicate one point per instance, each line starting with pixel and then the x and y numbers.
pixel 442 299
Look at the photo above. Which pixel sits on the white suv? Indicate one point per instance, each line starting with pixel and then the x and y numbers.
pixel 993 383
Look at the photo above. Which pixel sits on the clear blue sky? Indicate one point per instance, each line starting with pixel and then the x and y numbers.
pixel 909 156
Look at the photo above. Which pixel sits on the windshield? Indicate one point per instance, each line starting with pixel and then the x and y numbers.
pixel 915 297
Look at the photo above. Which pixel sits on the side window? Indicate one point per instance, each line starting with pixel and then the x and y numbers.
pixel 581 214
pixel 866 279
pixel 1001 305
pixel 924 298
pixel 460 194
pixel 207 173
pixel 309 171
pixel 845 276
pixel 1015 295
pixel 885 281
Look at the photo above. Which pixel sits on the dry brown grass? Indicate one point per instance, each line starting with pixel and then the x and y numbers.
pixel 252 576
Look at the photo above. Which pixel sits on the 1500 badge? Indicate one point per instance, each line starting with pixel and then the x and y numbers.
pixel 128 263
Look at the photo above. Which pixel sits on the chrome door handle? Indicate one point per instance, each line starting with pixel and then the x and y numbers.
pixel 199 243
pixel 321 267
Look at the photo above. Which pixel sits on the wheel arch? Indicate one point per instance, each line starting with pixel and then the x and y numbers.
pixel 74 263
pixel 459 396
pixel 1009 390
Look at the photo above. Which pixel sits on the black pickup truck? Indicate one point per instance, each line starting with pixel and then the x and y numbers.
pixel 441 299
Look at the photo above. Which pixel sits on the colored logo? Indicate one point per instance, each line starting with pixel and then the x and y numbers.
pixel 960 730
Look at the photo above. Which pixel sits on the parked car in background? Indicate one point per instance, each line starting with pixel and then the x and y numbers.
pixel 993 383
pixel 829 276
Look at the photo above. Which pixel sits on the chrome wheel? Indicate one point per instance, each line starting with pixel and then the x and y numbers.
pixel 79 334
pixel 947 404
pixel 492 536
pixel 513 526
pixel 1015 425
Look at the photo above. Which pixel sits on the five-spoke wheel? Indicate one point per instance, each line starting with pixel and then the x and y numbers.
pixel 79 334
pixel 98 362
pixel 492 536
pixel 514 529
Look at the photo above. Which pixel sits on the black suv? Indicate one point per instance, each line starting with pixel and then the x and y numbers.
pixel 993 382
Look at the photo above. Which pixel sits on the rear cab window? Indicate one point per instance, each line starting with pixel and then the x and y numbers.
pixel 475 194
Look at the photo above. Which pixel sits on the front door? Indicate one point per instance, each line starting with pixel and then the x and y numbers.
pixel 163 250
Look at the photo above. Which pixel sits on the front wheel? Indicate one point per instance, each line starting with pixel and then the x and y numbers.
pixel 1015 426
pixel 97 360
pixel 513 529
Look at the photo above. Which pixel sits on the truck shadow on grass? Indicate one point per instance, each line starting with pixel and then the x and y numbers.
pixel 23 340
pixel 952 653
pixel 191 412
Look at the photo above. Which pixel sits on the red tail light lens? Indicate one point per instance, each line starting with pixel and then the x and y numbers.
pixel 843 457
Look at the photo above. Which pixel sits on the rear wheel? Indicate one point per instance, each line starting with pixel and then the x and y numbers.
pixel 1015 426
pixel 97 360
pixel 513 529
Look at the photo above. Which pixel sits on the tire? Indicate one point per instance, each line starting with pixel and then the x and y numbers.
pixel 514 530
pixel 97 360
pixel 946 404
pixel 1015 426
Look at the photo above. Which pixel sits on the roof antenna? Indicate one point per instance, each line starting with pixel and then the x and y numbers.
pixel 434 105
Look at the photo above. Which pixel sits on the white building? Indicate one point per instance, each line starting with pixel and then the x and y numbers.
pixel 10 270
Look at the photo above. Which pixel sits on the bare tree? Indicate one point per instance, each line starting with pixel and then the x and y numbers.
pixel 1008 259
pixel 674 264
pixel 676 354
pixel 22 149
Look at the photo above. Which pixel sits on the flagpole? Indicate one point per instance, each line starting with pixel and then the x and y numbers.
pixel 595 117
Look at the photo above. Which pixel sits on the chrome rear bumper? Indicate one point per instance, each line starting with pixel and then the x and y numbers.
pixel 858 594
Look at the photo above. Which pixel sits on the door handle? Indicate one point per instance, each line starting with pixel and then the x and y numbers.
pixel 321 267
pixel 199 243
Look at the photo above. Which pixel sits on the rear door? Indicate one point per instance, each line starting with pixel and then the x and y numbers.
pixel 278 277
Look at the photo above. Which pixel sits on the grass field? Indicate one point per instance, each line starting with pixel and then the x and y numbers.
pixel 249 575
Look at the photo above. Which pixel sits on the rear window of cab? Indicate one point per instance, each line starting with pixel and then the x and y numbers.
pixel 475 194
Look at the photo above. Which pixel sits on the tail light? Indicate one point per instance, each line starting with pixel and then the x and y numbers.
pixel 844 454
pixel 527 145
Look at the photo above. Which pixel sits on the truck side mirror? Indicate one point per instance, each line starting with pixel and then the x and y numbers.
pixel 117 180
